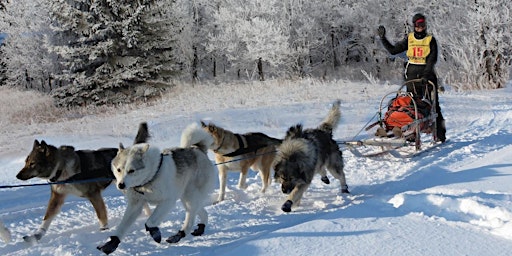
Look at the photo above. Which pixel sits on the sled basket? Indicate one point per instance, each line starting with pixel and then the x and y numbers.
pixel 405 118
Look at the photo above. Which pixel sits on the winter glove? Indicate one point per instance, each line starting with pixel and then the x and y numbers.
pixel 381 31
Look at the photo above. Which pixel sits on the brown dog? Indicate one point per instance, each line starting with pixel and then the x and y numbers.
pixel 239 152
pixel 67 165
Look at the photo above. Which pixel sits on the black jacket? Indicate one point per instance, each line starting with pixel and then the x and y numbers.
pixel 415 71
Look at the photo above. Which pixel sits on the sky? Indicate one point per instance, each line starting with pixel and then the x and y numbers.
pixel 454 199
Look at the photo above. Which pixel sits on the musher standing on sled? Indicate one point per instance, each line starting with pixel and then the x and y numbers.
pixel 422 56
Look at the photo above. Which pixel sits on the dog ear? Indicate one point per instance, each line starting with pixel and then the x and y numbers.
pixel 121 147
pixel 142 134
pixel 43 143
pixel 145 148
pixel 203 124
pixel 212 128
pixel 36 144
pixel 294 131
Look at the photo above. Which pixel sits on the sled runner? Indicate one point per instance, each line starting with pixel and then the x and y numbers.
pixel 406 123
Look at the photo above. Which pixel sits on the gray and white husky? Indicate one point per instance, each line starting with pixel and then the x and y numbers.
pixel 306 152
pixel 147 174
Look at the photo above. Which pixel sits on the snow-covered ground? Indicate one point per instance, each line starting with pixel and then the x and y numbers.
pixel 454 200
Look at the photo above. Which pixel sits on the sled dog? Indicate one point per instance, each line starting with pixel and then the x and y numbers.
pixel 65 164
pixel 161 178
pixel 303 153
pixel 239 152
pixel 4 233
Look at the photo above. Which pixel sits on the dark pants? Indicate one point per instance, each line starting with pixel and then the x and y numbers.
pixel 416 72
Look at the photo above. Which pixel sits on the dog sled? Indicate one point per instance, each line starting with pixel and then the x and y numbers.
pixel 406 124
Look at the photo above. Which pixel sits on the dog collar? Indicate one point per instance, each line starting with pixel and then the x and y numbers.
pixel 220 145
pixel 57 176
pixel 154 176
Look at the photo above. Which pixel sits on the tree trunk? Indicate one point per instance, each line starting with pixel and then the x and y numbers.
pixel 214 67
pixel 260 69
pixel 195 64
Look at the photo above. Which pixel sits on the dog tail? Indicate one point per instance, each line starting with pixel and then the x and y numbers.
pixel 195 135
pixel 142 134
pixel 332 119
pixel 4 233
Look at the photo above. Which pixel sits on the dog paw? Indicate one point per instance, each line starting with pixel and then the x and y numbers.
pixel 344 189
pixel 220 198
pixel 326 180
pixel 287 206
pixel 35 237
pixel 30 239
pixel 199 231
pixel 110 246
pixel 154 232
pixel 176 238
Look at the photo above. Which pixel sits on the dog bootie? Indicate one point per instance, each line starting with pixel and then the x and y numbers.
pixel 287 206
pixel 36 236
pixel 199 231
pixel 110 246
pixel 176 238
pixel 154 232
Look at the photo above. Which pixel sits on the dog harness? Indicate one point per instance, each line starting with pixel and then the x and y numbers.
pixel 154 176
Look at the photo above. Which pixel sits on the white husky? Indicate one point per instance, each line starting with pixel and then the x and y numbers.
pixel 147 174
pixel 4 233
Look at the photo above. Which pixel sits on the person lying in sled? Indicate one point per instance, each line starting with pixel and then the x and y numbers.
pixel 422 56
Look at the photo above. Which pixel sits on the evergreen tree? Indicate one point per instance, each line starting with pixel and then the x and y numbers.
pixel 3 65
pixel 113 51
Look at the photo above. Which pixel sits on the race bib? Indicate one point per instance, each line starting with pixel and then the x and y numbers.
pixel 418 49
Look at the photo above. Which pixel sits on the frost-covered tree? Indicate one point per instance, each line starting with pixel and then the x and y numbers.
pixel 353 38
pixel 194 22
pixel 3 65
pixel 250 34
pixel 114 51
pixel 306 34
pixel 2 4
pixel 26 61
pixel 478 47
